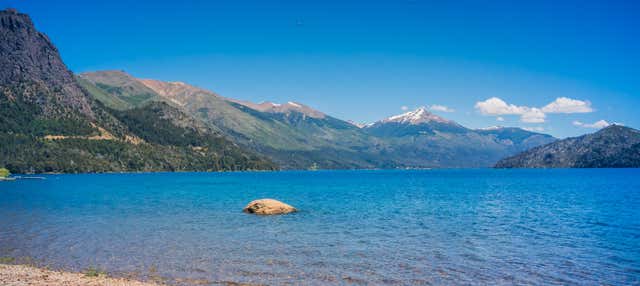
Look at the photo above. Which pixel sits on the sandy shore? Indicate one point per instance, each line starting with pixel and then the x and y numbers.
pixel 21 275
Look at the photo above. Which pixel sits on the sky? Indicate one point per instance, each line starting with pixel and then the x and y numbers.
pixel 560 67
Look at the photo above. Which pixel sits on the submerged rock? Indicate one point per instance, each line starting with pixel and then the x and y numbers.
pixel 268 207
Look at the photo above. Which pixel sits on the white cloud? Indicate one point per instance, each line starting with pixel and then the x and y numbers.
pixel 597 125
pixel 404 108
pixel 534 129
pixel 500 118
pixel 567 105
pixel 533 115
pixel 495 107
pixel 442 108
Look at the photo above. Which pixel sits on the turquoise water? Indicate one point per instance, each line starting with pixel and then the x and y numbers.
pixel 564 227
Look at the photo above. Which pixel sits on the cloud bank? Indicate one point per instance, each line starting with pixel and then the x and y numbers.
pixel 534 129
pixel 597 125
pixel 568 105
pixel 496 107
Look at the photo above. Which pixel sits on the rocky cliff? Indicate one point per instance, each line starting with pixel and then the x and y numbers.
pixel 31 69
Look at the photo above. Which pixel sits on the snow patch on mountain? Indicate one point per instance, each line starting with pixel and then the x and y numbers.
pixel 497 127
pixel 272 107
pixel 357 124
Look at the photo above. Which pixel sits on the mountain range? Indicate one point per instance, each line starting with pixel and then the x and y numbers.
pixel 55 121
pixel 612 147
pixel 296 136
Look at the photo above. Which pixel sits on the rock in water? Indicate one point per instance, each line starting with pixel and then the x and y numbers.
pixel 268 207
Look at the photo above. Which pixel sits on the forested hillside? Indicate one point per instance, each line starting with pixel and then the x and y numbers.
pixel 50 123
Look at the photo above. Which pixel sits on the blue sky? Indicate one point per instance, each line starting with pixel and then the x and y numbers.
pixel 366 60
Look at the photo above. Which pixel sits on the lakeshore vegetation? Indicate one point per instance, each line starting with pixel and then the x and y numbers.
pixel 4 172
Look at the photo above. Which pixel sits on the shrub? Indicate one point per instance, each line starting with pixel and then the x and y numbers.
pixel 4 173
pixel 94 272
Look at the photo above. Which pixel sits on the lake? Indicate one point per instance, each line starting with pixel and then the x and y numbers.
pixel 546 227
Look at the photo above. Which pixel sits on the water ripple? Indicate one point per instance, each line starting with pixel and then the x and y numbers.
pixel 440 227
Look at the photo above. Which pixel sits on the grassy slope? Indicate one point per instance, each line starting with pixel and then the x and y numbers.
pixel 117 89
pixel 102 96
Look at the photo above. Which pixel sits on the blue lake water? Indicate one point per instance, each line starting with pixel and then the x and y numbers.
pixel 564 227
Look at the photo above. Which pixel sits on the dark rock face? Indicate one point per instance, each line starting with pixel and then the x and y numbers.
pixel 612 147
pixel 31 69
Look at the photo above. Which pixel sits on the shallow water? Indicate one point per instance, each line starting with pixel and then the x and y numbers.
pixel 480 227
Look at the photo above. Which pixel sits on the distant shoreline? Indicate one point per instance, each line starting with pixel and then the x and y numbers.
pixel 18 176
pixel 36 175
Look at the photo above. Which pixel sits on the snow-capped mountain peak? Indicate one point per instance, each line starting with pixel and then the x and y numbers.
pixel 291 103
pixel 358 124
pixel 420 115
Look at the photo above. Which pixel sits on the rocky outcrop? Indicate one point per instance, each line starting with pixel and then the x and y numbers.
pixel 31 69
pixel 268 207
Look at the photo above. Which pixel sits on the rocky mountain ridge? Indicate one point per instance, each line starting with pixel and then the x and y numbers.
pixel 30 66
pixel 612 147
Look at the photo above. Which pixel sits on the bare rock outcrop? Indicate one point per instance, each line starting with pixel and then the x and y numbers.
pixel 31 69
pixel 268 207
